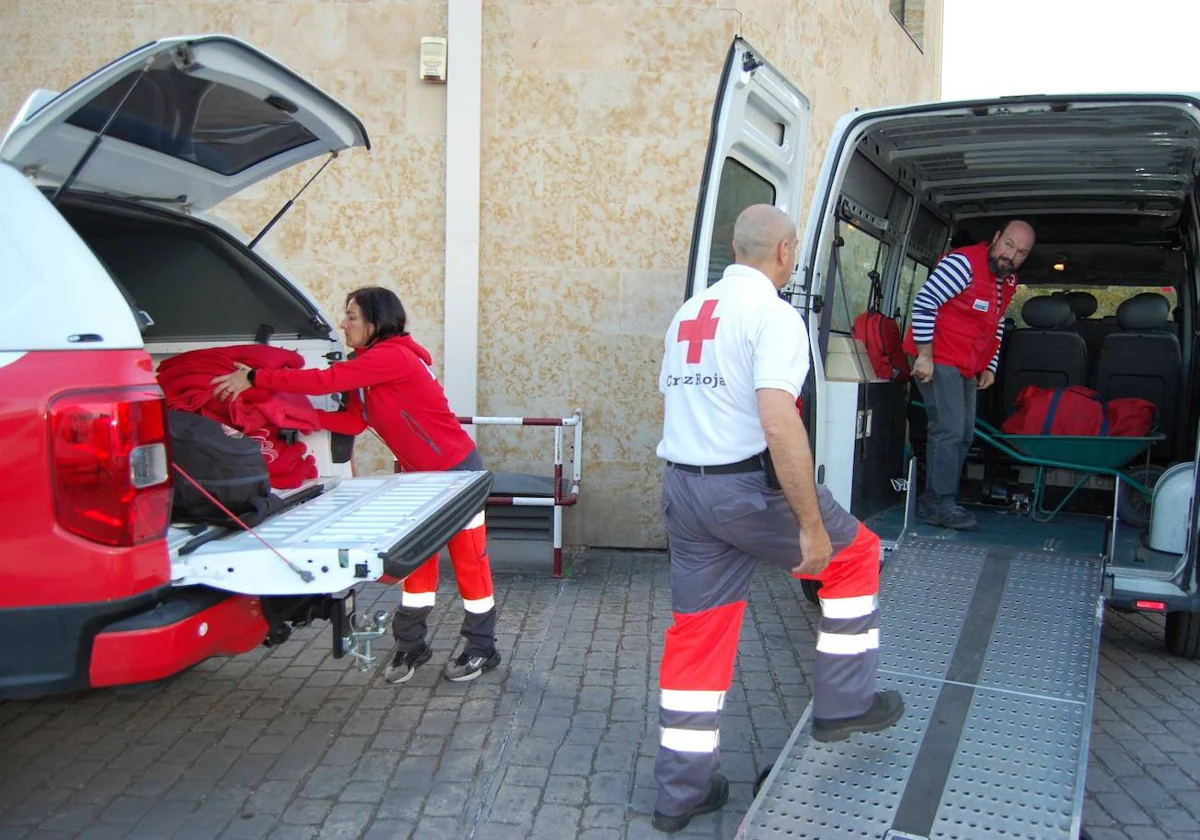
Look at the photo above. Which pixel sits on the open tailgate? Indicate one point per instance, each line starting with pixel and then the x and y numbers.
pixel 354 533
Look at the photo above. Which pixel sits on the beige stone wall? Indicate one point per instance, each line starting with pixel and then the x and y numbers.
pixel 595 120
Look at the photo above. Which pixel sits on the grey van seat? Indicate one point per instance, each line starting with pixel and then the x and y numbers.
pixel 1142 359
pixel 1093 330
pixel 1047 353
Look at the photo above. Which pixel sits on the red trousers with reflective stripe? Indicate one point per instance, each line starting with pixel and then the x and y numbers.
pixel 472 569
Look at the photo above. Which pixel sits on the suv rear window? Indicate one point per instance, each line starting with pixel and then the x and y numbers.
pixel 215 126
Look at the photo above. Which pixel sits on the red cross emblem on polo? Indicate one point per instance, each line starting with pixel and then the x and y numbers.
pixel 703 328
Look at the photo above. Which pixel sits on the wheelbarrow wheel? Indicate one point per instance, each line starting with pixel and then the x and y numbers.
pixel 1132 506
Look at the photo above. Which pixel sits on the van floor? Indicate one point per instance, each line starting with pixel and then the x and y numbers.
pixel 1071 533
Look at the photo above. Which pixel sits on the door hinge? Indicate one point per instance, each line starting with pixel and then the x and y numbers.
pixel 862 425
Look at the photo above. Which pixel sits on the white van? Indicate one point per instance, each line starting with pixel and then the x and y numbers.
pixel 1109 184
pixel 111 262
pixel 991 635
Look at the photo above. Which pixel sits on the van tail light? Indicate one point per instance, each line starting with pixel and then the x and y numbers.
pixel 109 455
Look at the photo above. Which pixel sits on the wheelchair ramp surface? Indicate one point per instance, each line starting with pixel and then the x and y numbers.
pixel 995 651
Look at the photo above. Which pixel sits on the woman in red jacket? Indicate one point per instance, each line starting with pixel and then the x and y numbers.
pixel 394 391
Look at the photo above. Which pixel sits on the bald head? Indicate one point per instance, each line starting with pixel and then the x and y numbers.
pixel 765 238
pixel 1010 247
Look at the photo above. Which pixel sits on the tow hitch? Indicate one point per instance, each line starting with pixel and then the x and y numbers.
pixel 353 634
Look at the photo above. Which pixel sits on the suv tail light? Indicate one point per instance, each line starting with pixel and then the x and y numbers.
pixel 109 456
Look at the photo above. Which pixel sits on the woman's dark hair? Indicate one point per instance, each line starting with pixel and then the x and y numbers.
pixel 382 309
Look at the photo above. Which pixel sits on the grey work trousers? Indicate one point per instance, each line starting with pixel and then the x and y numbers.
pixel 720 527
pixel 950 405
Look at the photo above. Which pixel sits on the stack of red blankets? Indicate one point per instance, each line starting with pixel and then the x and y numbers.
pixel 186 381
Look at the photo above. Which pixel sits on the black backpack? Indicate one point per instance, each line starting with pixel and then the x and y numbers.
pixel 230 467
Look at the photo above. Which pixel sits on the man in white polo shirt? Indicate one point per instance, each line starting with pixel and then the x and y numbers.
pixel 738 488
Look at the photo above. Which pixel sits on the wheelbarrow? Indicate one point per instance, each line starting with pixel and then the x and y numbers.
pixel 1085 455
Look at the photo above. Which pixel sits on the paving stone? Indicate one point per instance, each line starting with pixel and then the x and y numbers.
pixel 560 742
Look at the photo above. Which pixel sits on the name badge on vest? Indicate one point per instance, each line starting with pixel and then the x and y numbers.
pixel 981 304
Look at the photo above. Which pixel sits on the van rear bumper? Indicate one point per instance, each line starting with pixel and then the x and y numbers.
pixel 58 649
pixel 176 635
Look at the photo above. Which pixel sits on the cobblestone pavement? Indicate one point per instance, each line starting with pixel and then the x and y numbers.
pixel 556 743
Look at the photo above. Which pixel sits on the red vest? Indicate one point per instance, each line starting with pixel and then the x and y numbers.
pixel 964 333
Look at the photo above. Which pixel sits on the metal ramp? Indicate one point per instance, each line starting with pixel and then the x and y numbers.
pixel 995 651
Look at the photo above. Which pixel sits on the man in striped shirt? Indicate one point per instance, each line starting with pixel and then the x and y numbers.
pixel 957 324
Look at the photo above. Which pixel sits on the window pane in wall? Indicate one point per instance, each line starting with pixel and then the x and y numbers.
pixel 740 187
pixel 852 290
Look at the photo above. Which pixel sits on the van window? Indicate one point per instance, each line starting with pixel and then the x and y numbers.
pixel 1108 298
pixel 740 187
pixel 211 125
pixel 861 254
pixel 912 276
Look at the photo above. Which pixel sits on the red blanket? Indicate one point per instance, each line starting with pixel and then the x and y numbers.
pixel 186 381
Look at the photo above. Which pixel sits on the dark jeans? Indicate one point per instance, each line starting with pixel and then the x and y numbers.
pixel 950 405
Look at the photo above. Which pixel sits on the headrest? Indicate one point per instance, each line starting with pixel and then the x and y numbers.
pixel 1047 313
pixel 1083 304
pixel 1147 311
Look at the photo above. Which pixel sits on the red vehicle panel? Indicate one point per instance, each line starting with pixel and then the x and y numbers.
pixel 43 563
pixel 232 626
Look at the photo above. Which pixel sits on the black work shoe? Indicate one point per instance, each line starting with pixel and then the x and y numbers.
pixel 886 710
pixel 957 518
pixel 469 666
pixel 718 795
pixel 926 505
pixel 762 778
pixel 405 663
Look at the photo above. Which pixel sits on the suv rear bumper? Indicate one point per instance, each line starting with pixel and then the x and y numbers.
pixel 57 649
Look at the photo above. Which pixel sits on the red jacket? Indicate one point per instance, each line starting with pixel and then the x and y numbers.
pixel 964 334
pixel 392 390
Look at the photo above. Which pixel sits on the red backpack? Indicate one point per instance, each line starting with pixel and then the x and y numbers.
pixel 881 335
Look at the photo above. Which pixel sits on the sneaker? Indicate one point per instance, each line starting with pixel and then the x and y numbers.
pixel 718 795
pixel 957 518
pixel 467 667
pixel 886 710
pixel 926 505
pixel 405 663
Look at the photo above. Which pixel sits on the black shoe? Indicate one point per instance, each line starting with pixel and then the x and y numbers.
pixel 926 505
pixel 762 778
pixel 718 795
pixel 957 518
pixel 886 710
pixel 405 663
pixel 468 667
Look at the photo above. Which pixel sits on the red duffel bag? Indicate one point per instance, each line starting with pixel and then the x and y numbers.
pixel 1057 411
pixel 1131 417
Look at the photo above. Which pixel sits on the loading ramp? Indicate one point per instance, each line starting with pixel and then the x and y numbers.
pixel 995 650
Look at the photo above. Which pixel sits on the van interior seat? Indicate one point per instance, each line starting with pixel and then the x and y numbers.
pixel 1093 330
pixel 1047 353
pixel 1142 359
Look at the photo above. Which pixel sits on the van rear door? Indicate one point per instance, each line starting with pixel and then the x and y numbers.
pixel 757 151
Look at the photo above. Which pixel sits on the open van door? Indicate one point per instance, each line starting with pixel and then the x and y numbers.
pixel 757 152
